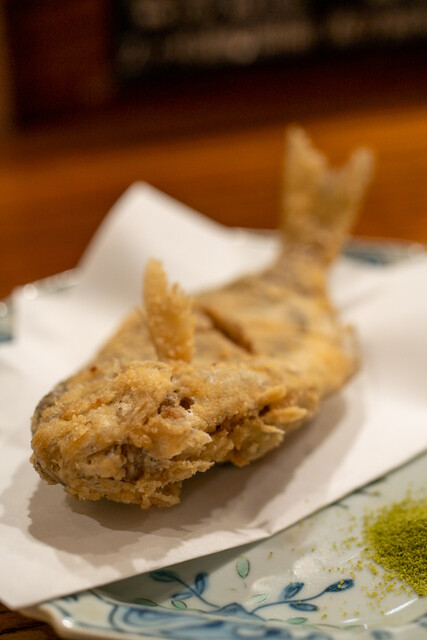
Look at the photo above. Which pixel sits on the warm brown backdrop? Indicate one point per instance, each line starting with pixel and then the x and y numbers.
pixel 53 194
pixel 217 145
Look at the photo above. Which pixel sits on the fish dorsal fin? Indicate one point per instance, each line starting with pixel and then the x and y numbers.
pixel 320 204
pixel 170 315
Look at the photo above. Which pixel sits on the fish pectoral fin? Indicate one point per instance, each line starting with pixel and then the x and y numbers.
pixel 287 417
pixel 252 439
pixel 170 317
pixel 232 329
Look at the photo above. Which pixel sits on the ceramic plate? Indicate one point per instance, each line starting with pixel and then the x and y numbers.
pixel 312 581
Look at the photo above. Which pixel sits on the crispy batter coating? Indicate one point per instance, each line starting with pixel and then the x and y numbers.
pixel 169 316
pixel 320 204
pixel 186 384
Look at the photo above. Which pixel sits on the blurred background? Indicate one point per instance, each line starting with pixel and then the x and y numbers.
pixel 193 96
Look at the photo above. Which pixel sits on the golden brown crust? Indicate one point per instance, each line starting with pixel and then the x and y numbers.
pixel 169 316
pixel 320 204
pixel 188 384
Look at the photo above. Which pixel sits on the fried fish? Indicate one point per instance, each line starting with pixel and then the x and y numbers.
pixel 222 377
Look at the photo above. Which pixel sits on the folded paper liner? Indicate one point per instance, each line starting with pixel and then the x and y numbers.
pixel 52 545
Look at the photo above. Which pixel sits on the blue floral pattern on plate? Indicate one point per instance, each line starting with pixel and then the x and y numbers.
pixel 308 582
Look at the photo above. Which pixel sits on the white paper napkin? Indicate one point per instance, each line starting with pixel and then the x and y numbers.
pixel 52 545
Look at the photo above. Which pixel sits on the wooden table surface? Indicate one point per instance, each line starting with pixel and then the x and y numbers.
pixel 55 189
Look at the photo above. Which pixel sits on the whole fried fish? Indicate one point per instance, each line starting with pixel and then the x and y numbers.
pixel 186 383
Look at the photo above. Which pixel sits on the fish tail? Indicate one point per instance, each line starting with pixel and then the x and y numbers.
pixel 320 204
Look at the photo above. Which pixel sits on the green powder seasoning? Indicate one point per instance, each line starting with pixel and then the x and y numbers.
pixel 396 538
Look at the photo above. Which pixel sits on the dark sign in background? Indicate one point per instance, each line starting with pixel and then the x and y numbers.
pixel 188 34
